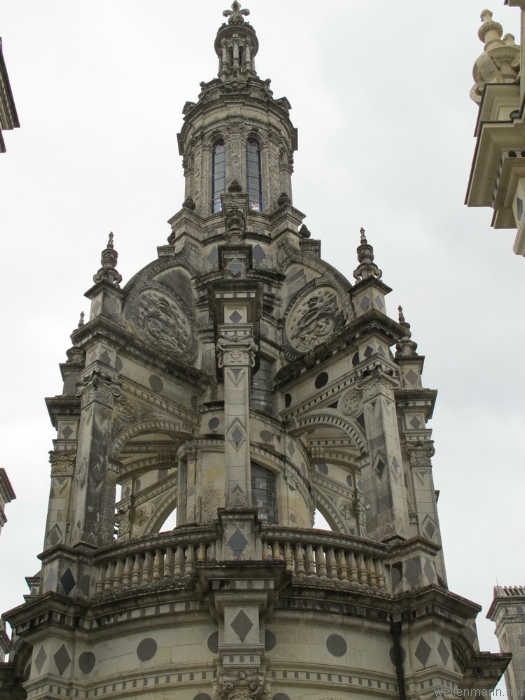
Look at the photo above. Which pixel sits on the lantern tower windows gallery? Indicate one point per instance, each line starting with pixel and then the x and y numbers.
pixel 253 175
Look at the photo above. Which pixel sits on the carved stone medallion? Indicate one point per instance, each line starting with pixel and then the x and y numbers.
pixel 350 403
pixel 313 319
pixel 164 323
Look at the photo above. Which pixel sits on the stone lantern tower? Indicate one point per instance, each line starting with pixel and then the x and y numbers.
pixel 243 381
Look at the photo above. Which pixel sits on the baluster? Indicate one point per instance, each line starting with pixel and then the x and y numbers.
pixel 320 561
pixel 126 573
pixel 108 583
pixel 117 578
pixel 168 563
pixel 372 573
pixel 212 552
pixel 135 574
pixel 146 567
pixel 179 561
pixel 363 573
pixel 265 550
pixel 331 563
pixel 310 560
pixel 201 553
pixel 276 551
pixel 352 568
pixel 157 564
pixel 100 579
pixel 342 566
pixel 299 559
pixel 190 560
pixel 380 574
pixel 288 557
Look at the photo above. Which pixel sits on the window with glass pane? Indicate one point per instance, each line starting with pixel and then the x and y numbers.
pixel 253 174
pixel 264 493
pixel 218 178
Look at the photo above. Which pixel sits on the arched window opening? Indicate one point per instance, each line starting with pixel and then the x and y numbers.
pixel 320 521
pixel 170 523
pixel 218 178
pixel 253 174
pixel 264 493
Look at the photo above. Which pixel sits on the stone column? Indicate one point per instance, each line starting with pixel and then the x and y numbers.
pixel 383 487
pixel 236 350
pixel 93 516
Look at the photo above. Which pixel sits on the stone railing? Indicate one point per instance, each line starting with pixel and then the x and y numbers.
pixel 305 553
pixel 327 556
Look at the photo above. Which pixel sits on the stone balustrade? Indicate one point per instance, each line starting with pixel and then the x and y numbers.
pixel 309 554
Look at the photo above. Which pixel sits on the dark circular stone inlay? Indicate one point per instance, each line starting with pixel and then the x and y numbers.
pixel 214 423
pixel 322 469
pixel 349 481
pixel 118 364
pixel 281 696
pixel 202 696
pixel 287 400
pixel 392 655
pixel 147 649
pixel 321 380
pixel 156 383
pixel 87 661
pixel 213 642
pixel 194 402
pixel 269 640
pixel 266 436
pixel 336 645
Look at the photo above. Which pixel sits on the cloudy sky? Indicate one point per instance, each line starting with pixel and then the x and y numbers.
pixel 380 95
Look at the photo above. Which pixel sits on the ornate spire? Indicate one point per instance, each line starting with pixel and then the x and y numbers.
pixel 235 15
pixel 365 255
pixel 405 347
pixel 108 272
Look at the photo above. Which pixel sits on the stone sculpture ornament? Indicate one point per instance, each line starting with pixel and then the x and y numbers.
pixel 235 15
pixel 313 319
pixel 236 350
pixel 351 402
pixel 164 323
pixel 108 272
pixel 241 685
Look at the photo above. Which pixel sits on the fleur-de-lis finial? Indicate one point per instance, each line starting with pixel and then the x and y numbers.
pixel 110 241
pixel 363 237
pixel 235 15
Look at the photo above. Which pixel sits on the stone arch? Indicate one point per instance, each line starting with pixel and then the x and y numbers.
pixel 163 511
pixel 330 513
pixel 349 427
pixel 160 461
pixel 147 426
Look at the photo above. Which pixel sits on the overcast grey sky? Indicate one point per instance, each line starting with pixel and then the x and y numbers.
pixel 380 95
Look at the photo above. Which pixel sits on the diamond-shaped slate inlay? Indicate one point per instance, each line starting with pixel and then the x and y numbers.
pixel 234 266
pixel 379 302
pixel 369 351
pixel 412 376
pixel 235 317
pixel 380 467
pixel 237 436
pixel 365 303
pixel 241 625
pixel 430 572
pixel 413 571
pixel 62 659
pixel 67 432
pixel 423 651
pixel 415 423
pixel 40 659
pixel 429 528
pixel 258 254
pixel 443 652
pixel 213 257
pixel 68 581
pixel 395 464
pixel 237 543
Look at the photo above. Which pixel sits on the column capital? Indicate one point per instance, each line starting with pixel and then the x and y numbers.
pixel 99 386
pixel 236 349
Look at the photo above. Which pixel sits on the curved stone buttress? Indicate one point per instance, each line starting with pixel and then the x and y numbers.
pixel 242 380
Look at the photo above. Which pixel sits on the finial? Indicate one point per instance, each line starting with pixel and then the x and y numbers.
pixel 235 15
pixel 235 187
pixel 283 199
pixel 304 231
pixel 189 204
pixel 405 347
pixel 500 60
pixel 108 272
pixel 81 321
pixel 365 255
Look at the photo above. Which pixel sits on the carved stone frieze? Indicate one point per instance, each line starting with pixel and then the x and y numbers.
pixel 62 463
pixel 420 453
pixel 241 685
pixel 378 383
pixel 312 319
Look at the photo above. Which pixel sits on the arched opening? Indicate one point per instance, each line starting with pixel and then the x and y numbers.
pixel 253 174
pixel 170 523
pixel 218 178
pixel 320 522
pixel 264 493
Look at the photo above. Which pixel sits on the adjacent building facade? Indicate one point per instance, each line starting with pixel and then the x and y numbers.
pixel 8 115
pixel 243 381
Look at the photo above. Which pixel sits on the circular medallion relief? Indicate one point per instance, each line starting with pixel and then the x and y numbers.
pixel 350 403
pixel 313 318
pixel 164 323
